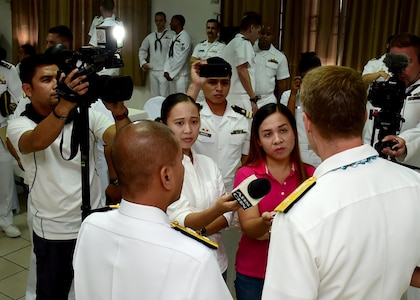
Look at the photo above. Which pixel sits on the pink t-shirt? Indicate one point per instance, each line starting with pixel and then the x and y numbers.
pixel 251 258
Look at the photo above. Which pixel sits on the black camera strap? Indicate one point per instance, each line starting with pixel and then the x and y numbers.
pixel 73 116
pixel 75 137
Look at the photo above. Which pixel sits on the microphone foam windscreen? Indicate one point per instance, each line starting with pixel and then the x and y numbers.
pixel 259 188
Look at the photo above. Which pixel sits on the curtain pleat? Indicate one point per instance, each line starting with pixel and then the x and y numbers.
pixel 31 20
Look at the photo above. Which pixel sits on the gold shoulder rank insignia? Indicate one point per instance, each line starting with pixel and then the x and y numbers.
pixel 196 236
pixel 242 111
pixel 5 64
pixel 296 195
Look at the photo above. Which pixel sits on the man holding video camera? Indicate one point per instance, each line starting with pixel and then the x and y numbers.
pixel 42 137
pixel 406 145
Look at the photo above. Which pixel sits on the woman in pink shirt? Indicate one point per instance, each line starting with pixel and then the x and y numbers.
pixel 274 155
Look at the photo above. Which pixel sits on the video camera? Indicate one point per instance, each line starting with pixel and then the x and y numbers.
pixel 91 60
pixel 389 97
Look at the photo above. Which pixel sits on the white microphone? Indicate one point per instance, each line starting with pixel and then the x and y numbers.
pixel 250 191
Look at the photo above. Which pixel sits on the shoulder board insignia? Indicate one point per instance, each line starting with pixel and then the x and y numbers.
pixel 203 41
pixel 194 235
pixel 296 195
pixel 242 111
pixel 97 17
pixel 5 64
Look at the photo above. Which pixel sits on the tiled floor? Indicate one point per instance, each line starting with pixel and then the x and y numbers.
pixel 14 258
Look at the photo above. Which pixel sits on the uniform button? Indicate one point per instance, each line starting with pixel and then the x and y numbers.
pixel 282 193
pixel 284 183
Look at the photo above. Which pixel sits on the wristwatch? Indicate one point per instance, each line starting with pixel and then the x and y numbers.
pixel 255 99
pixel 114 181
pixel 203 231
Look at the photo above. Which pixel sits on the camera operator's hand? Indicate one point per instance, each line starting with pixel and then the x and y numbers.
pixel 398 149
pixel 69 88
pixel 116 108
pixel 295 86
pixel 196 81
pixel 166 75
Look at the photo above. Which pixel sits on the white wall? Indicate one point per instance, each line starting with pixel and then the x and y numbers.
pixel 195 12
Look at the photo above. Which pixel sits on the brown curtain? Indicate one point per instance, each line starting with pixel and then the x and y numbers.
pixel 24 26
pixel 311 26
pixel 348 35
pixel 31 20
pixel 368 24
pixel 233 10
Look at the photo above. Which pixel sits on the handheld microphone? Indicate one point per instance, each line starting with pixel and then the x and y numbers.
pixel 251 191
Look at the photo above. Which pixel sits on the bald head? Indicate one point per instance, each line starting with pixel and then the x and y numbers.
pixel 144 153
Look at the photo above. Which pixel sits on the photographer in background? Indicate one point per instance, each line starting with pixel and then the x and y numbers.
pixel 108 20
pixel 59 34
pixel 42 137
pixel 9 83
pixel 407 144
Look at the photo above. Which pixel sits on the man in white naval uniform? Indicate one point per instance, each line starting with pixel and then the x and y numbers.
pixel 224 133
pixel 211 47
pixel 177 64
pixel 271 69
pixel 156 46
pixel 144 256
pixel 239 53
pixel 407 147
pixel 343 235
pixel 9 81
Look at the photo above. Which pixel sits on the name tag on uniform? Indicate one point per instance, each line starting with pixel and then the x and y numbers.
pixel 206 134
pixel 238 131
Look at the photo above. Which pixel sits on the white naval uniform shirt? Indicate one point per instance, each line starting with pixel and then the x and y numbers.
pixel 179 63
pixel 354 235
pixel 205 49
pixel 202 187
pixel 270 66
pixel 375 65
pixel 9 81
pixel 133 253
pixel 224 139
pixel 157 55
pixel 238 52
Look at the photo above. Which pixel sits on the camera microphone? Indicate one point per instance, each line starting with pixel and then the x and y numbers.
pixel 396 63
pixel 251 191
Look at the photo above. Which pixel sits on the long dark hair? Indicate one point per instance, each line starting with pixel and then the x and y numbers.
pixel 256 152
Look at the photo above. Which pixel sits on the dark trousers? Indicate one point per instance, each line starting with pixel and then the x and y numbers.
pixel 54 269
pixel 248 288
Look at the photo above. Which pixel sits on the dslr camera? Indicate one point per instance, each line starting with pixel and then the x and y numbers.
pixel 91 60
pixel 389 96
